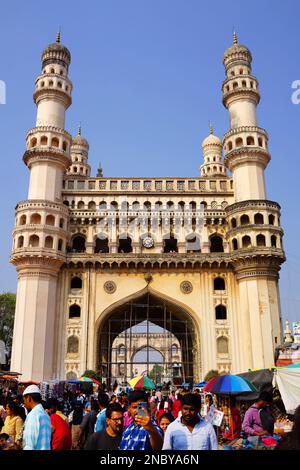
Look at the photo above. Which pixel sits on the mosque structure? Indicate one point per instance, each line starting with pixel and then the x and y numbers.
pixel 195 259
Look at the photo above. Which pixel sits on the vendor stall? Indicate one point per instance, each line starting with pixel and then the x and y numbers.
pixel 287 379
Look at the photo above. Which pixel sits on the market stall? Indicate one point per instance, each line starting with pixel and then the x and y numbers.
pixel 287 379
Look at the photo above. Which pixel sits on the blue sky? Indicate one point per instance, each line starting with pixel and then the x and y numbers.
pixel 147 79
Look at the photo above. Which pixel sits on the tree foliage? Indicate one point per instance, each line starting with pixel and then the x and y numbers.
pixel 7 315
pixel 156 372
pixel 92 374
pixel 210 374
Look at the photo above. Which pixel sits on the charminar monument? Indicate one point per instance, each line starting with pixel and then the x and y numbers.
pixel 126 274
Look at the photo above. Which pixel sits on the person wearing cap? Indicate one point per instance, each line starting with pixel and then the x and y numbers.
pixel 37 428
pixel 258 420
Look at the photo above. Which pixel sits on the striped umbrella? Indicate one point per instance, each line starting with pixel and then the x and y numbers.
pixel 140 382
pixel 229 385
pixel 89 379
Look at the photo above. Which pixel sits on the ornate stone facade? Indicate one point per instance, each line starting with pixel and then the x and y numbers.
pixel 126 363
pixel 206 251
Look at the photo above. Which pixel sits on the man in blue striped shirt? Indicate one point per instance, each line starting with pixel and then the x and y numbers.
pixel 143 433
pixel 37 428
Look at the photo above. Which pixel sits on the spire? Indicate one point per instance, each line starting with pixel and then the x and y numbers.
pixel 99 171
pixel 235 39
pixel 58 37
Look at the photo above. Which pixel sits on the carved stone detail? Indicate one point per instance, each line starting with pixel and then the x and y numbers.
pixel 186 287
pixel 110 287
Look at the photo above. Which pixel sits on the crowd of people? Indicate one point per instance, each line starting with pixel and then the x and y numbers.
pixel 133 421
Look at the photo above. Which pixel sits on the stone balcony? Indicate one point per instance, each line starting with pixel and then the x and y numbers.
pixel 150 185
pixel 191 261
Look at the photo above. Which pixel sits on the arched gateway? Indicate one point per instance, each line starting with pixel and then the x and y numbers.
pixel 162 326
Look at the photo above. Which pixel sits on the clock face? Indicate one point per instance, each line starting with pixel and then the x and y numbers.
pixel 148 242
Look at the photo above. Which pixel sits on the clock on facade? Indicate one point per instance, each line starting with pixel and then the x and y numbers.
pixel 148 242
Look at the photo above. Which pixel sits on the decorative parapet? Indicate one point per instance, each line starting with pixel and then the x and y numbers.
pixel 191 261
pixel 252 204
pixel 238 130
pixel 47 154
pixel 254 227
pixel 39 204
pixel 221 184
pixel 55 129
pixel 246 154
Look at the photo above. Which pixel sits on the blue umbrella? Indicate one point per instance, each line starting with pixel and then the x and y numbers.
pixel 229 384
pixel 200 384
pixel 74 381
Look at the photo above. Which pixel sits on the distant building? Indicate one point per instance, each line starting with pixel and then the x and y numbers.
pixel 289 352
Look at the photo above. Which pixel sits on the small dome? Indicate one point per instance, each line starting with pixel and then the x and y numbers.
pixel 236 49
pixel 79 140
pixel 56 51
pixel 211 140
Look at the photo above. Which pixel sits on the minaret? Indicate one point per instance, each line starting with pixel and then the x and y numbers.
pixel 246 144
pixel 100 171
pixel 254 232
pixel 79 156
pixel 41 221
pixel 212 154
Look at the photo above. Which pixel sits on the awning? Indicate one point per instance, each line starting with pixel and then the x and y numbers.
pixel 287 380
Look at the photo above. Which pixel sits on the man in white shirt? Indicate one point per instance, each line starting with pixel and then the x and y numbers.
pixel 190 431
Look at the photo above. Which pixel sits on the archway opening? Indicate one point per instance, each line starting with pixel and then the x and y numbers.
pixel 102 245
pixel 149 361
pixel 142 335
pixel 125 245
pixel 170 245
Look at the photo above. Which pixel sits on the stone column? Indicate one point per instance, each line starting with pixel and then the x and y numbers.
pixel 33 352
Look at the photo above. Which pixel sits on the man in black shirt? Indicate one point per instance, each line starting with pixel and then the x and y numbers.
pixel 109 438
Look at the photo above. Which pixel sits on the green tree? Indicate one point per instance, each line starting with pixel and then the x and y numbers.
pixel 210 374
pixel 92 374
pixel 7 315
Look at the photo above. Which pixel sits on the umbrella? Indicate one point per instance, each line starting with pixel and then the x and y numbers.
pixel 73 381
pixel 140 382
pixel 96 381
pixel 89 379
pixel 229 385
pixel 200 384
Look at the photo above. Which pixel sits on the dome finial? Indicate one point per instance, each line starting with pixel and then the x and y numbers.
pixel 100 171
pixel 235 39
pixel 79 129
pixel 58 36
pixel 211 130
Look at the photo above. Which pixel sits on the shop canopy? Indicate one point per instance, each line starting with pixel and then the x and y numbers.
pixel 262 379
pixel 287 380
